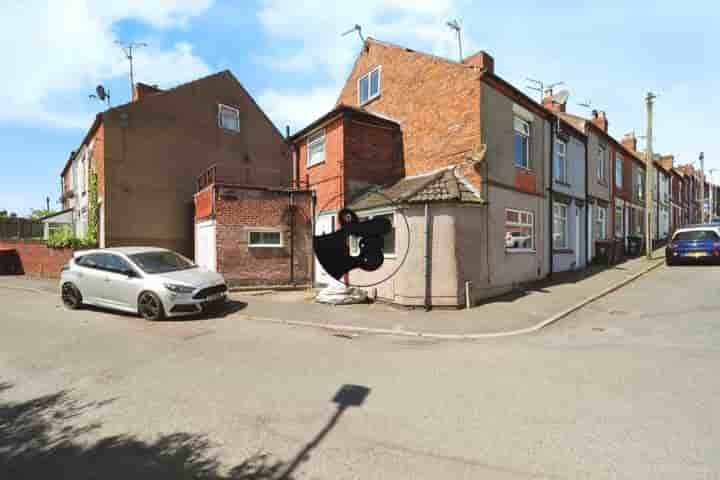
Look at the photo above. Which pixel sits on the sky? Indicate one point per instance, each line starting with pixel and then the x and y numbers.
pixel 291 56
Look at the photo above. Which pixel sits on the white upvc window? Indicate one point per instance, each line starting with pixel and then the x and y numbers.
pixel 601 162
pixel 369 85
pixel 619 220
pixel 229 118
pixel 522 142
pixel 561 164
pixel 618 171
pixel 388 248
pixel 519 230
pixel 600 222
pixel 264 239
pixel 316 148
pixel 560 226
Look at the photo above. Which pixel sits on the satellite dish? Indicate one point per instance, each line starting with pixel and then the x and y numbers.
pixel 561 97
pixel 100 90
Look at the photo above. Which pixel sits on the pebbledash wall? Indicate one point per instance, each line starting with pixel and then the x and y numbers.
pixel 36 258
pixel 239 210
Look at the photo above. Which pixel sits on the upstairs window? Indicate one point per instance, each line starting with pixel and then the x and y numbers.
pixel 561 165
pixel 522 143
pixel 639 185
pixel 316 148
pixel 229 118
pixel 369 86
pixel 618 171
pixel 601 163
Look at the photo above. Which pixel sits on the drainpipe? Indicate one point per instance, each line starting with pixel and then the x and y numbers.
pixel 312 231
pixel 428 239
pixel 292 239
pixel 587 205
pixel 553 128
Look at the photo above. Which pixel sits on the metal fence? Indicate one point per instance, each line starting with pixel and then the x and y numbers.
pixel 20 228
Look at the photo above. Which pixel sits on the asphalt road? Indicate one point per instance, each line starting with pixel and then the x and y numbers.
pixel 626 388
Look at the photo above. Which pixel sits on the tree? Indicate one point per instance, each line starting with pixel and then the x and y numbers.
pixel 38 213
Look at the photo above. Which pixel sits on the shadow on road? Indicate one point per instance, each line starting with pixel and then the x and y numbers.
pixel 39 438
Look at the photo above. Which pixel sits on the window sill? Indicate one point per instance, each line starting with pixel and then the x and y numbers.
pixel 368 101
pixel 314 164
pixel 519 250
pixel 524 169
pixel 265 246
pixel 563 250
pixel 564 184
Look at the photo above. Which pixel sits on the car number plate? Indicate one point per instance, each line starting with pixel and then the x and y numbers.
pixel 217 296
pixel 697 254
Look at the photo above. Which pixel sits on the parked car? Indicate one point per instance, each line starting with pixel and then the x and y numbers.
pixel 694 243
pixel 153 282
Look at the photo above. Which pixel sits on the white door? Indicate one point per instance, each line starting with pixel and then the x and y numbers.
pixel 325 224
pixel 205 246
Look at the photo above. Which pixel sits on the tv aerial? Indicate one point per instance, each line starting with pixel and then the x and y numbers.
pixel 357 28
pixel 541 87
pixel 586 104
pixel 101 94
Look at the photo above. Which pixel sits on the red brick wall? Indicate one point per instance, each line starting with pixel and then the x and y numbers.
pixel 99 157
pixel 437 103
pixel 373 156
pixel 326 178
pixel 36 258
pixel 244 265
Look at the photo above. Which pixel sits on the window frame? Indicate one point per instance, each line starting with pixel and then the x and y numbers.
pixel 619 226
pixel 236 111
pixel 318 136
pixel 526 135
pixel 521 224
pixel 262 231
pixel 561 159
pixel 601 168
pixel 600 222
pixel 353 240
pixel 619 171
pixel 368 75
pixel 566 226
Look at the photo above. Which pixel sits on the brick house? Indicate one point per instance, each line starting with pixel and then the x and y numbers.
pixel 568 189
pixel 599 151
pixel 148 154
pixel 472 182
pixel 253 235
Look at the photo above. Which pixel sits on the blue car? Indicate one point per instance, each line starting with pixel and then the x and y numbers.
pixel 699 243
pixel 715 221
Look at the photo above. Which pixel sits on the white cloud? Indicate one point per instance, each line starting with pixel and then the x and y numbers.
pixel 325 56
pixel 297 109
pixel 62 48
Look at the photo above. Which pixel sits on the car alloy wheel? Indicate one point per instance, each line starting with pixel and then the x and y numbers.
pixel 150 307
pixel 71 297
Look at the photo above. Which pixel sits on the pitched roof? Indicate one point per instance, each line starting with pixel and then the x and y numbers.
pixel 441 186
pixel 342 109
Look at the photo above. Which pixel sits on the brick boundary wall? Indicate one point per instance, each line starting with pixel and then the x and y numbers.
pixel 35 257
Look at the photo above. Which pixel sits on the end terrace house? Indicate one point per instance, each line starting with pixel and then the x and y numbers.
pixel 147 155
pixel 473 153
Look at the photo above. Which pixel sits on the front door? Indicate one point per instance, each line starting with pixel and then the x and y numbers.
pixel 205 246
pixel 325 224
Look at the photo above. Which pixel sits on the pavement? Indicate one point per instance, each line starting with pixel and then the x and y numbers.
pixel 517 313
pixel 625 388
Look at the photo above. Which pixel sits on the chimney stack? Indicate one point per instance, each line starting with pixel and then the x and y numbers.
pixel 553 103
pixel 600 120
pixel 667 161
pixel 481 59
pixel 143 90
pixel 629 141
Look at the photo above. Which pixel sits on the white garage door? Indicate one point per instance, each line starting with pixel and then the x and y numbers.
pixel 205 246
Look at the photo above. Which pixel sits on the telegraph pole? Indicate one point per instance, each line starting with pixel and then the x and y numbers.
pixel 648 176
pixel 702 187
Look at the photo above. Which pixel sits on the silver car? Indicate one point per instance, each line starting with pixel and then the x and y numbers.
pixel 154 282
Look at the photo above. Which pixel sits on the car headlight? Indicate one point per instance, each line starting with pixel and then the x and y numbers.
pixel 179 288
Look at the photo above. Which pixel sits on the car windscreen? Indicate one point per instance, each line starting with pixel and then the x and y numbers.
pixel 161 262
pixel 696 235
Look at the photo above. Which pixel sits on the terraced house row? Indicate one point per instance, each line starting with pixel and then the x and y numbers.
pixel 497 189
pixel 485 188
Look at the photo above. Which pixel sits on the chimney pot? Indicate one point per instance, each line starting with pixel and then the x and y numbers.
pixel 481 59
pixel 599 119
